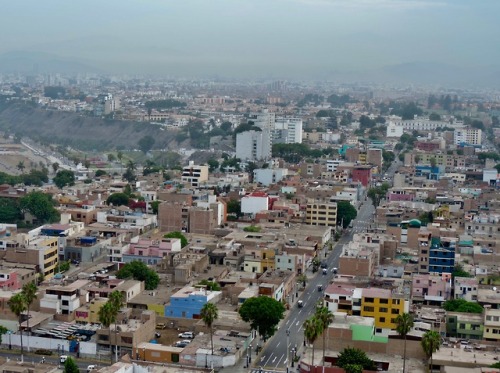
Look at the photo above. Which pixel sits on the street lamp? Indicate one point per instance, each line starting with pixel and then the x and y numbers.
pixel 250 355
pixel 293 356
pixel 10 341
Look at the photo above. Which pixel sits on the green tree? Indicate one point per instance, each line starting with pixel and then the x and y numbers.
pixel 17 305
pixel 312 330
pixel 63 178
pixel 146 143
pixel 404 323
pixel 118 199
pixel 179 235
pixel 70 366
pixel 234 207
pixel 41 206
pixel 154 206
pixel 209 313
pixel 355 356
pixel 496 365
pixel 430 343
pixel 111 157
pixel 377 193
pixel 434 116
pixel 100 173
pixel 459 271
pixel 20 166
pixel 325 317
pixel 461 305
pixel 211 285
pixel 107 316
pixel 9 210
pixel 55 167
pixel 302 279
pixel 3 330
pixel 139 271
pixel 345 213
pixel 263 313
pixel 29 291
pixel 213 164
pixel 115 298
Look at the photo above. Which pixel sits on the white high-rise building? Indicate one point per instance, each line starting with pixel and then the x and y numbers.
pixel 287 130
pixel 253 145
pixel 469 136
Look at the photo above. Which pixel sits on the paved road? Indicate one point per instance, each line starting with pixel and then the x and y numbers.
pixel 274 355
pixel 53 360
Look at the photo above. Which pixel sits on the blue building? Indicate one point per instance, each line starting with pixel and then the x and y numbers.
pixel 441 256
pixel 431 173
pixel 188 302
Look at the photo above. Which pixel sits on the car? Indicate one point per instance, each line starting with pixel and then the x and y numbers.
pixel 63 358
pixel 180 344
pixel 225 349
pixel 161 325
pixel 300 304
pixel 91 367
pixel 189 335
pixel 157 335
pixel 186 341
pixel 320 287
pixel 325 271
pixel 335 270
pixel 324 264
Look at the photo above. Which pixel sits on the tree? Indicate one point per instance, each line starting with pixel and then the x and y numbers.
pixel 41 206
pixel 213 164
pixel 303 279
pixel 118 199
pixel 55 167
pixel 404 323
pixel 20 166
pixel 9 210
pixel 70 366
pixel 115 298
pixel 154 207
pixel 209 313
pixel 146 143
pixel 377 193
pixel 17 305
pixel 29 291
pixel 111 157
pixel 210 285
pixel 459 271
pixel 312 330
pixel 107 317
pixel 100 173
pixel 326 317
pixel 355 356
pixel 263 313
pixel 139 271
pixel 234 207
pixel 461 305
pixel 345 213
pixel 430 343
pixel 3 330
pixel 63 178
pixel 179 235
pixel 434 116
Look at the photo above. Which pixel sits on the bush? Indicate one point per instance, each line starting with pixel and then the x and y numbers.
pixel 43 351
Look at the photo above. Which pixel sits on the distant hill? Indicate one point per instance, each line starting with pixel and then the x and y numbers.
pixel 86 133
pixel 39 62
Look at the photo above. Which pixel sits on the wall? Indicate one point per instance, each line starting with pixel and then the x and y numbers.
pixel 86 348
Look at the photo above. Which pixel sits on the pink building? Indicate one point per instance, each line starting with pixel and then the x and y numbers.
pixel 430 289
pixel 147 248
pixel 9 279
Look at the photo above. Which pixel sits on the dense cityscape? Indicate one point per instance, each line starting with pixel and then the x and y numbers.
pixel 264 186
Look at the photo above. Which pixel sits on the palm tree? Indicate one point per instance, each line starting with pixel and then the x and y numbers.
pixel 29 291
pixel 20 166
pixel 430 343
pixel 326 317
pixel 302 279
pixel 17 305
pixel 210 313
pixel 312 330
pixel 107 317
pixel 404 323
pixel 115 298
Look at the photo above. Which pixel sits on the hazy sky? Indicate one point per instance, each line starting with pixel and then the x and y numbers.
pixel 274 37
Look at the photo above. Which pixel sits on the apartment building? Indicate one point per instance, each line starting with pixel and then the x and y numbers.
pixel 380 304
pixel 467 136
pixel 464 325
pixel 441 255
pixel 195 175
pixel 430 289
pixel 491 324
pixel 466 288
pixel 321 213
pixel 61 299
pixel 253 145
pixel 188 302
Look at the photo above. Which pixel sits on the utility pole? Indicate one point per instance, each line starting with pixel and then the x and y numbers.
pixel 287 345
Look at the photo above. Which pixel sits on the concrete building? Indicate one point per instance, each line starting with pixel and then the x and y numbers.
pixel 321 213
pixel 394 130
pixel 268 176
pixel 466 288
pixel 254 203
pixel 253 145
pixel 464 325
pixel 287 130
pixel 63 299
pixel 467 136
pixel 430 289
pixel 491 324
pixel 194 174
pixel 188 302
pixel 374 157
pixel 381 304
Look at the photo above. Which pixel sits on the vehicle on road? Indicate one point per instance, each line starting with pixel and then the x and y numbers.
pixel 189 335
pixel 91 367
pixel 300 304
pixel 324 264
pixel 335 270
pixel 325 271
pixel 63 358
pixel 320 287
pixel 181 344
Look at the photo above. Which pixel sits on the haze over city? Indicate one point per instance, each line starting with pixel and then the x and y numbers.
pixel 414 40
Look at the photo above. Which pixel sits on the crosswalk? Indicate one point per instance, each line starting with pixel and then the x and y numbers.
pixel 263 370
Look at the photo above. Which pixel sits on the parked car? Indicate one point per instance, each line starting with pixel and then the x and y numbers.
pixel 91 367
pixel 189 335
pixel 63 358
pixel 180 344
pixel 157 335
pixel 335 270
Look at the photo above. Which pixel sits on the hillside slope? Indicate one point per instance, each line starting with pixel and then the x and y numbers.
pixel 85 133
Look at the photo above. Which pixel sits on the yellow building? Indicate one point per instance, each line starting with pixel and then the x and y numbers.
pixel 259 260
pixel 89 313
pixel 383 306
pixel 40 250
pixel 321 213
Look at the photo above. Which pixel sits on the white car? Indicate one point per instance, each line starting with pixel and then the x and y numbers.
pixel 91 367
pixel 63 358
pixel 189 335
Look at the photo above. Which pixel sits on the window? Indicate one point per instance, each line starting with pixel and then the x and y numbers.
pixel 369 300
pixel 462 326
pixel 383 309
pixel 395 311
pixel 368 309
pixel 385 301
pixel 381 319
